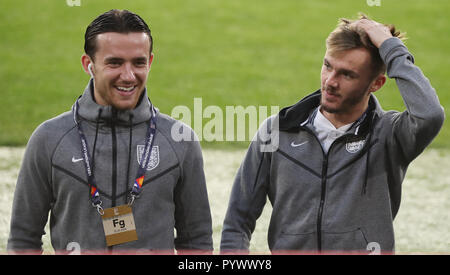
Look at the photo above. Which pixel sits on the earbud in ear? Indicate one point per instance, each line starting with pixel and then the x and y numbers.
pixel 90 70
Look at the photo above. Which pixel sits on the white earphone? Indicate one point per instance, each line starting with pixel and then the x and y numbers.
pixel 90 70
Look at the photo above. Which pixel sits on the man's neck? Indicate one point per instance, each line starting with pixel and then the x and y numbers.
pixel 340 119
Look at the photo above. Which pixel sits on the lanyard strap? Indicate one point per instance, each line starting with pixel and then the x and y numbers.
pixel 136 189
pixel 151 132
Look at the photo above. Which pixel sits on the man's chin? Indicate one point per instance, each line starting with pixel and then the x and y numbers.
pixel 128 103
pixel 123 106
pixel 329 110
pixel 327 107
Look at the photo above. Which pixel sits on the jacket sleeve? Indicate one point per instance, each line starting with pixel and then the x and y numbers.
pixel 192 212
pixel 32 197
pixel 416 127
pixel 248 195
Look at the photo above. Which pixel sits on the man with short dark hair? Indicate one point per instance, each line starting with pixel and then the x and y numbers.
pixel 334 181
pixel 109 171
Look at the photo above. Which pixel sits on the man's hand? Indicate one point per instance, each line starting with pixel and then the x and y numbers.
pixel 377 32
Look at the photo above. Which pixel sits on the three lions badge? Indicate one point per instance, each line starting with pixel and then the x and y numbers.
pixel 154 156
pixel 353 146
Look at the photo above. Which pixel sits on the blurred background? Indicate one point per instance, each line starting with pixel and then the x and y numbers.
pixel 229 52
pixel 233 52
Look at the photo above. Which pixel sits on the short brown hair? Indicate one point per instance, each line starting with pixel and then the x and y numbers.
pixel 121 21
pixel 348 36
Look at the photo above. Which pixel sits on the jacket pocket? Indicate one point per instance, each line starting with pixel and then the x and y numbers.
pixel 295 242
pixel 353 241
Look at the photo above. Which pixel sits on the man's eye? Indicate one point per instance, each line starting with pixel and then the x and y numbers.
pixel 348 75
pixel 114 64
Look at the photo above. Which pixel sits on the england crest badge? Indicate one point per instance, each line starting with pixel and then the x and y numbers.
pixel 354 146
pixel 154 156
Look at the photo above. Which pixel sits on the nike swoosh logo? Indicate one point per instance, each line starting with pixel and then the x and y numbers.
pixel 76 160
pixel 298 144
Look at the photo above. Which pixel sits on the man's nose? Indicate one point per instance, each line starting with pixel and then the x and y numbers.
pixel 128 73
pixel 332 80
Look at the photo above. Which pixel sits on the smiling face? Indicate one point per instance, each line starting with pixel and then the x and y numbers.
pixel 346 83
pixel 120 68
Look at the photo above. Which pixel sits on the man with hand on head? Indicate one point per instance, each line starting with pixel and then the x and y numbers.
pixel 109 171
pixel 335 179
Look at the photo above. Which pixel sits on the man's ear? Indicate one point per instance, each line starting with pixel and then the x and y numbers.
pixel 85 62
pixel 377 83
pixel 150 61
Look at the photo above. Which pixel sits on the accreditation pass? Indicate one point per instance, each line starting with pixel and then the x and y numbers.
pixel 118 224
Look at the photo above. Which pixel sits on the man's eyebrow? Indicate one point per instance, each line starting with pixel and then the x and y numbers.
pixel 349 72
pixel 342 71
pixel 118 59
pixel 113 59
pixel 141 58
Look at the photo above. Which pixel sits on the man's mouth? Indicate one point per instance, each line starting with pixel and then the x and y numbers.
pixel 125 89
pixel 331 94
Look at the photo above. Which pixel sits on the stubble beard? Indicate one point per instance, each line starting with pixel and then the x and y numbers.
pixel 346 104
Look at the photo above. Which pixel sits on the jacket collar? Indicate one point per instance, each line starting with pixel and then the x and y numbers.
pixel 292 117
pixel 91 111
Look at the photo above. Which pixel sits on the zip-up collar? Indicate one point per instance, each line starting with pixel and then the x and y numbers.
pixel 300 115
pixel 355 125
pixel 90 110
pixel 293 118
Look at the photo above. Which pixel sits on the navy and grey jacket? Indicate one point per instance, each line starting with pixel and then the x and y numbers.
pixel 53 179
pixel 344 199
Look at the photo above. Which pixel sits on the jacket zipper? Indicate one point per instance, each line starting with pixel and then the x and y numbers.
pixel 114 161
pixel 322 202
pixel 114 164
pixel 323 190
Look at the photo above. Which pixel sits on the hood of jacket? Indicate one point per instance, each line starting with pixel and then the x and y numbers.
pixel 91 111
pixel 291 117
pixel 291 120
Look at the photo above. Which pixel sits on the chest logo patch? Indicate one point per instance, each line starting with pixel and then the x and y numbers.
pixel 154 156
pixel 354 146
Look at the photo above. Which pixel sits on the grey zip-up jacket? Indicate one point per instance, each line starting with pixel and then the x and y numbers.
pixel 346 199
pixel 53 178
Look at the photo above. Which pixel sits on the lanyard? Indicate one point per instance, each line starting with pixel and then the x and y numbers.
pixel 137 186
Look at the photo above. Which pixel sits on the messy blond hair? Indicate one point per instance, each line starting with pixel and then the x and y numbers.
pixel 348 36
